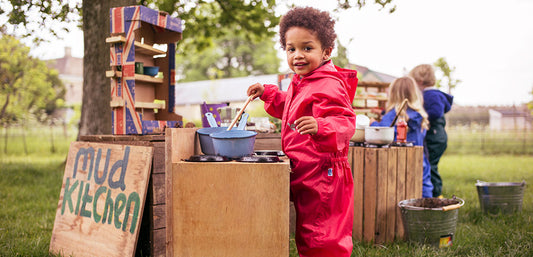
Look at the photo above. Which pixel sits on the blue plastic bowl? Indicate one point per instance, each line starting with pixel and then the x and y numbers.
pixel 150 70
pixel 234 143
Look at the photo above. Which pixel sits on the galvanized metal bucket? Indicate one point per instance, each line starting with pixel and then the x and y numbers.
pixel 432 226
pixel 500 197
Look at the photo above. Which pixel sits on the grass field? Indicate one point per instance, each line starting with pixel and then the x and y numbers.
pixel 30 186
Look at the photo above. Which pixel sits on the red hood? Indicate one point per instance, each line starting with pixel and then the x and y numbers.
pixel 346 76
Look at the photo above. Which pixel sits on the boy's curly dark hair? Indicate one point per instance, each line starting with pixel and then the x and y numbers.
pixel 312 19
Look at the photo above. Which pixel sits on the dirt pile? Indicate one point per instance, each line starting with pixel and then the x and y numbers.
pixel 433 202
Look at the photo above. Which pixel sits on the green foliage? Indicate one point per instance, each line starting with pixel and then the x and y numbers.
pixel 205 21
pixel 231 55
pixel 54 15
pixel 341 59
pixel 347 4
pixel 28 89
pixel 447 79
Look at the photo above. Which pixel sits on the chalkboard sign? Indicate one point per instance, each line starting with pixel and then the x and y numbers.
pixel 102 199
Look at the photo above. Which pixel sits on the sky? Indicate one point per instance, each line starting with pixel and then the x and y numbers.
pixel 489 42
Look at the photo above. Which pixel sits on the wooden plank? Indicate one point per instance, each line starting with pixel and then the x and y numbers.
pixel 159 245
pixel 158 216
pixel 158 188
pixel 369 193
pixel 145 140
pixel 411 174
pixel 144 92
pixel 145 105
pixel 381 195
pixel 238 209
pixel 268 141
pixel 419 168
pixel 400 189
pixel 180 143
pixel 391 194
pixel 141 48
pixel 158 163
pixel 81 221
pixel 183 142
pixel 358 164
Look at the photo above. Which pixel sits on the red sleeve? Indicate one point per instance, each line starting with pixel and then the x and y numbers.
pixel 335 116
pixel 274 100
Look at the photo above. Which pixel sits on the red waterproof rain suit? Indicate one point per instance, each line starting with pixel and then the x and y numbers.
pixel 321 179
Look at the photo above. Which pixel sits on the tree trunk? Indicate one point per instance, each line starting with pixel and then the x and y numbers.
pixel 5 138
pixel 95 109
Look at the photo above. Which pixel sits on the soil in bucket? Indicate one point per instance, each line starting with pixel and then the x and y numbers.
pixel 430 221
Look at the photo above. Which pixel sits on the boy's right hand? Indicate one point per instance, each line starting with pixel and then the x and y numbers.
pixel 256 90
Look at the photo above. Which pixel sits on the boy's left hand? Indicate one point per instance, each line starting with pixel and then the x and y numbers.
pixel 306 125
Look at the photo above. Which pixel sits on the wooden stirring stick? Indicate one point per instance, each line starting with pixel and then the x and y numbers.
pixel 399 111
pixel 240 112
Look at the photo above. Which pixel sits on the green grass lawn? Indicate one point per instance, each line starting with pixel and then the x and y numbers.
pixel 30 186
pixel 477 234
pixel 29 193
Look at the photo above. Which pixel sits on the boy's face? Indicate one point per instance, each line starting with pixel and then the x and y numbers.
pixel 304 50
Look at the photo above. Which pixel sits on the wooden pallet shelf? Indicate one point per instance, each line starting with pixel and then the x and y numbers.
pixel 139 47
pixel 138 105
pixel 377 98
pixel 138 77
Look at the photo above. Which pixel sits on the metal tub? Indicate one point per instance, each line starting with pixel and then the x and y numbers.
pixel 431 226
pixel 500 197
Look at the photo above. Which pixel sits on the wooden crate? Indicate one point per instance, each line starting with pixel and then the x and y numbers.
pixel 268 141
pixel 230 209
pixel 382 178
pixel 224 209
pixel 152 234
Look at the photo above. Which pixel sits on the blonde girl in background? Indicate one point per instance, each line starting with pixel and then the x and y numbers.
pixel 415 116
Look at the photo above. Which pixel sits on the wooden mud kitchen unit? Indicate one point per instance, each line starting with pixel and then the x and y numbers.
pixel 227 208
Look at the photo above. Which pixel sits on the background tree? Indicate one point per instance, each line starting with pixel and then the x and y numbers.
pixel 203 22
pixel 231 55
pixel 447 80
pixel 28 89
pixel 341 57
pixel 27 86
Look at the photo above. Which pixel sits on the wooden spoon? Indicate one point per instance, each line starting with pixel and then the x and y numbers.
pixel 240 112
pixel 399 111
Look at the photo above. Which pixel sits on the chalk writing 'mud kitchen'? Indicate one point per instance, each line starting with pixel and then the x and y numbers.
pixel 102 198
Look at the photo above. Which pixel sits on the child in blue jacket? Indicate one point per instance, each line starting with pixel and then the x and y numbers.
pixel 416 118
pixel 436 104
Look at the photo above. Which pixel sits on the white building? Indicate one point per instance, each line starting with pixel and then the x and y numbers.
pixel 509 119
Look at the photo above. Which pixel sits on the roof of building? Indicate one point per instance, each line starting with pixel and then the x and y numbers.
pixel 511 112
pixel 67 65
pixel 368 75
